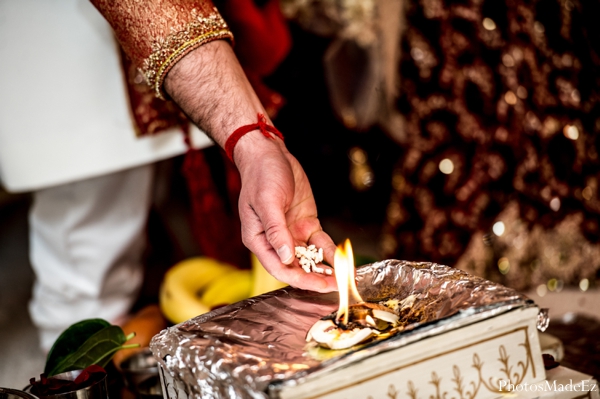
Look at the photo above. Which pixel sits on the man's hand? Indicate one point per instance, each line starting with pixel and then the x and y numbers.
pixel 277 207
pixel 278 212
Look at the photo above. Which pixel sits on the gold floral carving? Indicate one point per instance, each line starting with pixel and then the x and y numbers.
pixel 515 373
pixel 412 391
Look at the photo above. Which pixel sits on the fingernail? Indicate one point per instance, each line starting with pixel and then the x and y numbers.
pixel 285 255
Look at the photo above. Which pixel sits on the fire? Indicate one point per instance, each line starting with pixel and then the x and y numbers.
pixel 345 274
pixel 356 321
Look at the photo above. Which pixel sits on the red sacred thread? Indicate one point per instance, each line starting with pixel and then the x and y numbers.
pixel 241 131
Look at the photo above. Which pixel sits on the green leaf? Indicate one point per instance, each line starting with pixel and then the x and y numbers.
pixel 71 339
pixel 97 349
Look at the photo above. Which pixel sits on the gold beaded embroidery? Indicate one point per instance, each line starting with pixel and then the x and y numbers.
pixel 166 52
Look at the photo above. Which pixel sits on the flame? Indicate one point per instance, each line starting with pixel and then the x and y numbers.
pixel 345 275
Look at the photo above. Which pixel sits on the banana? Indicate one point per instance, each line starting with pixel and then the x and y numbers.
pixel 262 281
pixel 183 285
pixel 196 285
pixel 228 288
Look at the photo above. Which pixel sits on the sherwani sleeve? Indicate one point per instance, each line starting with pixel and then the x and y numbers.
pixel 156 34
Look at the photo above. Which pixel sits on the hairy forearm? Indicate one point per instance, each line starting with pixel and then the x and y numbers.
pixel 212 89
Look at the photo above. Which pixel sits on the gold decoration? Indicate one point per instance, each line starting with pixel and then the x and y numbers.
pixel 515 373
pixel 155 34
pixel 412 391
pixel 166 52
pixel 470 390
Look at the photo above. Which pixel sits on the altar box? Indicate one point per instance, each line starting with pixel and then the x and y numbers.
pixel 472 338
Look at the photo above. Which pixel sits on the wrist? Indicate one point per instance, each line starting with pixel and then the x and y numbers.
pixel 267 130
pixel 253 146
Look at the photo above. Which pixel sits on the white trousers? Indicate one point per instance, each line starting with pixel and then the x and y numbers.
pixel 86 245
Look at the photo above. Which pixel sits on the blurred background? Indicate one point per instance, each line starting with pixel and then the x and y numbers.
pixel 464 133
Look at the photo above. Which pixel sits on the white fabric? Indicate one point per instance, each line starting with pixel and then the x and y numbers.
pixel 64 114
pixel 86 245
pixel 66 133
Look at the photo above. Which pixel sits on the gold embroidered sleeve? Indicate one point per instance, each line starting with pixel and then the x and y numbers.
pixel 156 34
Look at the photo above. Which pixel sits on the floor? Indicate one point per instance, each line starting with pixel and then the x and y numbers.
pixel 20 356
pixel 21 359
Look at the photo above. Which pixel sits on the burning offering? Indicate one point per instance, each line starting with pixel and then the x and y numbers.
pixel 355 322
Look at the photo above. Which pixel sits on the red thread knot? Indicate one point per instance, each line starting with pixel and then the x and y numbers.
pixel 261 125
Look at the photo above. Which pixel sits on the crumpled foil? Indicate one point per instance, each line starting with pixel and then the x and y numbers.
pixel 253 348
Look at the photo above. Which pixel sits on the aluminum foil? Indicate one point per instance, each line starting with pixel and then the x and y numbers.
pixel 253 348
